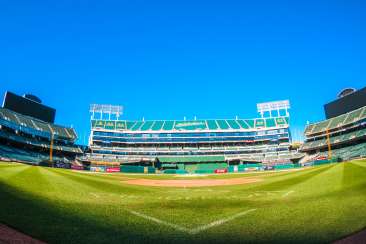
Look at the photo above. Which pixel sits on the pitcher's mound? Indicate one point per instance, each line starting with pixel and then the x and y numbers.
pixel 192 183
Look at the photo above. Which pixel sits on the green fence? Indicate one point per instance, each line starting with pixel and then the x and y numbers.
pixel 137 169
pixel 243 167
pixel 283 166
pixel 175 171
pixel 209 168
pixel 325 161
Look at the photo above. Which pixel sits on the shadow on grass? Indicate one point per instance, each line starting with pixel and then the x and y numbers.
pixel 60 223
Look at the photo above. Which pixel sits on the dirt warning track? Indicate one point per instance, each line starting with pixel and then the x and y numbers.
pixel 192 183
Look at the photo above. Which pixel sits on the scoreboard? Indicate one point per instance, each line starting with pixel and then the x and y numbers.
pixel 29 107
pixel 346 104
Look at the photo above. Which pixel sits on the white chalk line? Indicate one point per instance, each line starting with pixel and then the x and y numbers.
pixel 287 193
pixel 162 222
pixel 195 230
pixel 220 222
pixel 94 194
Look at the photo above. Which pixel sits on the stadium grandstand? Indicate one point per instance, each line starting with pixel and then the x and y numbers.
pixel 342 137
pixel 28 139
pixel 191 145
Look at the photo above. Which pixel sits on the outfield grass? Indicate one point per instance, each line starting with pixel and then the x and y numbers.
pixel 316 205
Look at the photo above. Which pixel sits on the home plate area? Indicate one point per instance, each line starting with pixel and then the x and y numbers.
pixel 194 215
pixel 193 228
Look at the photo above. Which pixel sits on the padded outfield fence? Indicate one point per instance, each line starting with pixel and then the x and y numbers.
pixel 137 169
pixel 206 168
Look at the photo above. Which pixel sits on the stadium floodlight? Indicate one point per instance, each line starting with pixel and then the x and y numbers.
pixel 273 106
pixel 102 109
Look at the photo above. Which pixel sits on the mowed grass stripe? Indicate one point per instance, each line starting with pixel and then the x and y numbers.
pixel 101 183
pixel 287 181
pixel 329 179
pixel 327 204
pixel 6 172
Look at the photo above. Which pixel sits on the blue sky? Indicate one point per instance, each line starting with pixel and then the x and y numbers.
pixel 170 59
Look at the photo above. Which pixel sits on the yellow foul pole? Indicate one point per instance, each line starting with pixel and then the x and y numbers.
pixel 329 146
pixel 51 148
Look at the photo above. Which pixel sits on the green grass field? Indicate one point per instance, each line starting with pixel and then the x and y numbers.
pixel 315 205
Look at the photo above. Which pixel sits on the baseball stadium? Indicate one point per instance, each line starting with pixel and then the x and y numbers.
pixel 177 181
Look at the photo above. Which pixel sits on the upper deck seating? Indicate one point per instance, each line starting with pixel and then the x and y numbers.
pixel 191 125
pixel 35 126
pixel 336 122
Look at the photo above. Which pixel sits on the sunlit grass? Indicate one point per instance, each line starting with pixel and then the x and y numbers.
pixel 315 205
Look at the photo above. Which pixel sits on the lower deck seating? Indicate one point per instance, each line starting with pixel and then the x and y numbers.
pixel 20 155
pixel 346 153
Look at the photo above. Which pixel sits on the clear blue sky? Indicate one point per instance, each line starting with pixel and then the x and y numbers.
pixel 169 59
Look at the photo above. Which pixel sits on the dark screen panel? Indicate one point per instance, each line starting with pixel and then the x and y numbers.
pixel 28 107
pixel 346 104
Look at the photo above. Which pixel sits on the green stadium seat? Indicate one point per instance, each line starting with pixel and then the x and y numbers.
pixel 212 125
pixel 337 121
pixel 157 125
pixel 363 113
pixel 223 124
pixel 233 124
pixel 168 125
pixel 147 125
pixel 309 129
pixel 250 122
pixel 137 125
pixel 320 127
pixel 243 124
pixel 130 124
pixel 354 116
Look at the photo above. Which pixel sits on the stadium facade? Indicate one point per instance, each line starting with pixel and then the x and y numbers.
pixel 192 141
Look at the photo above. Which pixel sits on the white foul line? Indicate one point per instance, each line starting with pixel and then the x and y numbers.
pixel 95 195
pixel 287 193
pixel 174 226
pixel 220 222
pixel 192 231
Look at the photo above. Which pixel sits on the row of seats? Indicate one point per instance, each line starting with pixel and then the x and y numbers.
pixel 26 124
pixel 347 153
pixel 191 125
pixel 311 145
pixel 16 154
pixel 29 141
pixel 337 122
pixel 188 149
pixel 258 157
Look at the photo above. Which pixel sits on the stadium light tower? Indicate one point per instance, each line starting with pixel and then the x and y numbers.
pixel 274 106
pixel 108 109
